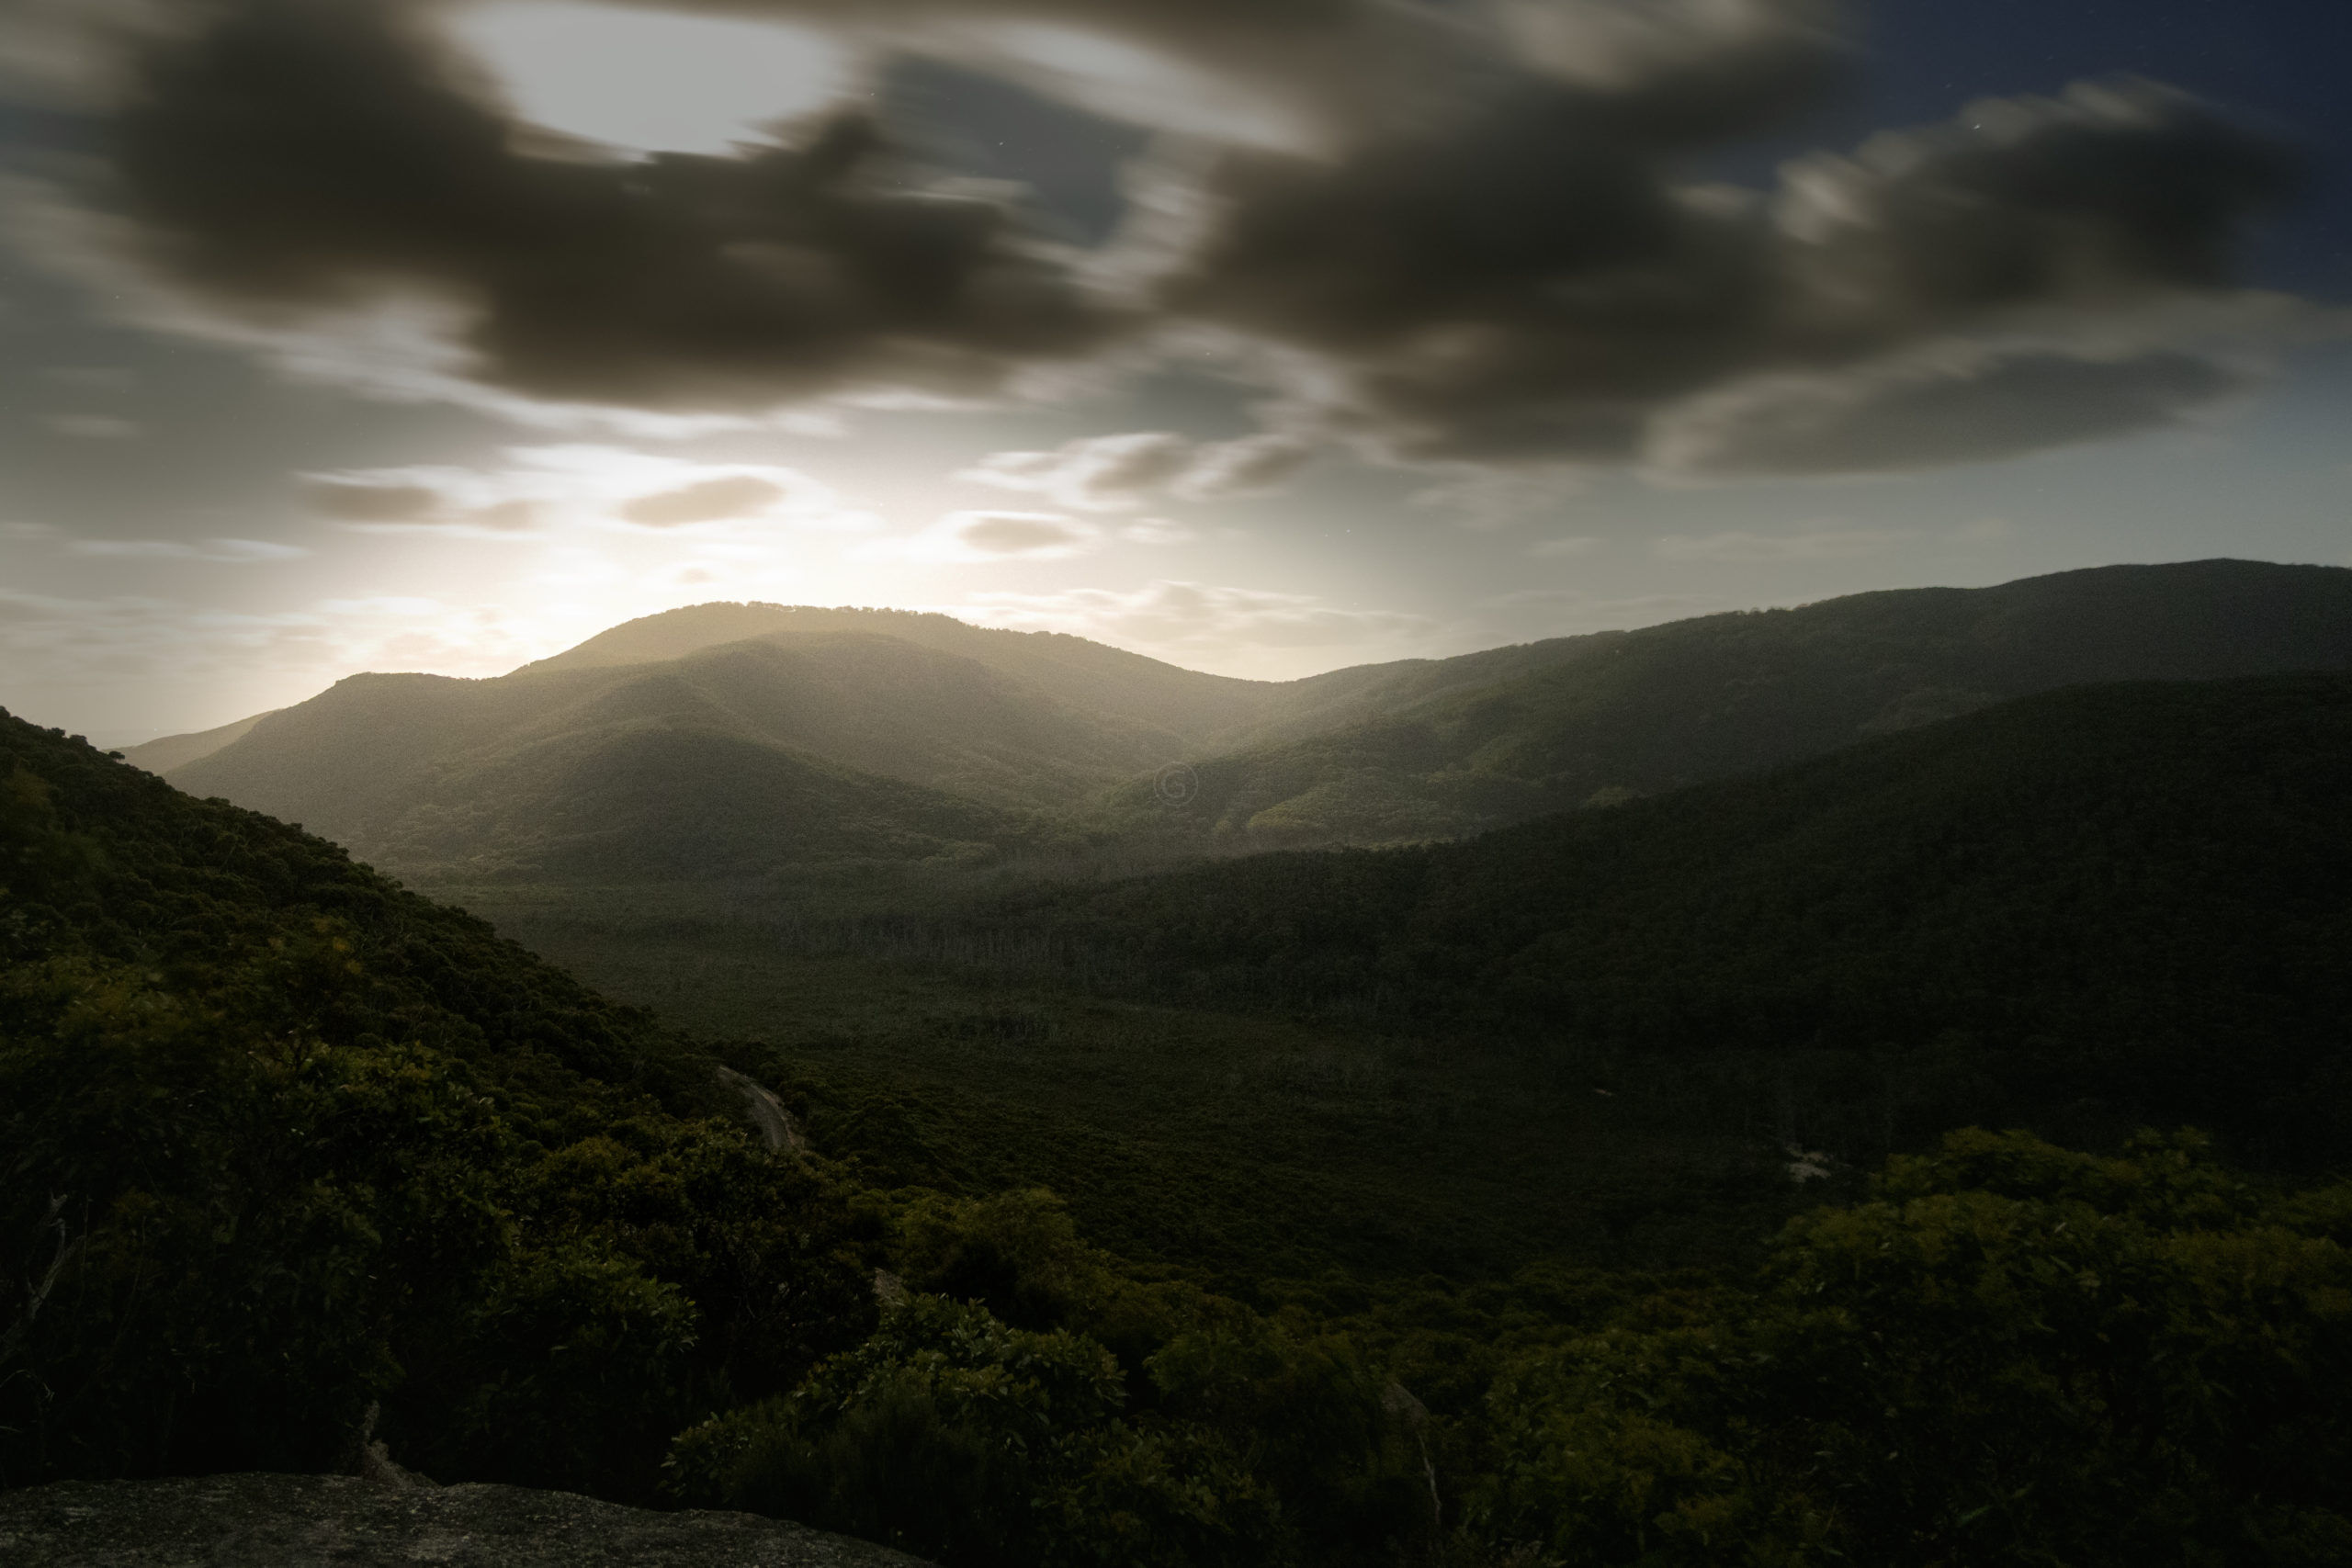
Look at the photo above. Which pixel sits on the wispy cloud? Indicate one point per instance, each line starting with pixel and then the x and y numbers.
pixel 1119 473
pixel 1564 547
pixel 95 426
pixel 580 485
pixel 1823 543
pixel 221 552
pixel 978 536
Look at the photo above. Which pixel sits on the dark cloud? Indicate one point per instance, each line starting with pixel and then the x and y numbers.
pixel 1256 465
pixel 1465 230
pixel 311 151
pixel 735 495
pixel 1531 288
pixel 1988 405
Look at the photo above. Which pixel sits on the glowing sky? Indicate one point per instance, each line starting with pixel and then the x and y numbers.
pixel 1265 337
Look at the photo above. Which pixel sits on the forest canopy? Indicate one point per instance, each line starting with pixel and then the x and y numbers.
pixel 298 1160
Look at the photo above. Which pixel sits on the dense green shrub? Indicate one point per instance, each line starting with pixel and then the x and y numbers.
pixel 950 1434
pixel 2014 1353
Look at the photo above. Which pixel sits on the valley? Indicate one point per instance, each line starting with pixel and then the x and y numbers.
pixel 1286 1156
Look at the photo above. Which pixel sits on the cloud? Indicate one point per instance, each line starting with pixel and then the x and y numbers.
pixel 95 378
pixel 290 156
pixel 95 426
pixel 1158 531
pixel 221 552
pixel 1119 473
pixel 1448 234
pixel 580 484
pixel 1565 548
pixel 146 643
pixel 1966 403
pixel 1521 288
pixel 1228 470
pixel 1822 543
pixel 356 501
pixel 1098 473
pixel 1984 533
pixel 994 536
pixel 1487 499
pixel 706 501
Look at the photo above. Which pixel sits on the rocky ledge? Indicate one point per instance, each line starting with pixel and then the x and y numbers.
pixel 342 1521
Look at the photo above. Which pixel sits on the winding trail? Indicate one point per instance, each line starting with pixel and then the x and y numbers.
pixel 775 1124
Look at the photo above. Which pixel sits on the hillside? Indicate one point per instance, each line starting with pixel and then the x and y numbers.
pixel 677 749
pixel 2089 907
pixel 167 753
pixel 730 761
pixel 303 1161
pixel 286 1142
pixel 1093 677
pixel 1444 747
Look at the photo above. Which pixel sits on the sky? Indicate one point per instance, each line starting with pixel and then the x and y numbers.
pixel 1263 336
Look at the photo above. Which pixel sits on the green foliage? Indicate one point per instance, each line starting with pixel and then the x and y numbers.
pixel 951 1435
pixel 2090 1361
pixel 2083 911
pixel 283 1143
pixel 2009 1352
pixel 1248 1150
pixel 1428 748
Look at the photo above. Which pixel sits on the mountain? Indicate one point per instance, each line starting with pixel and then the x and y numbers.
pixel 170 751
pixel 742 739
pixel 1444 747
pixel 1088 676
pixel 2097 906
pixel 731 760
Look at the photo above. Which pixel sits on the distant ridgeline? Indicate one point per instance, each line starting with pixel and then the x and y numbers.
pixel 729 742
pixel 295 1158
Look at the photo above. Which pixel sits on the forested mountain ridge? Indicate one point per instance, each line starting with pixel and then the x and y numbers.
pixel 2124 899
pixel 1451 747
pixel 677 749
pixel 732 760
pixel 1093 677
pixel 167 753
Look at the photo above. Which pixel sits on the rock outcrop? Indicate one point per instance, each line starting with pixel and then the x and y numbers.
pixel 313 1521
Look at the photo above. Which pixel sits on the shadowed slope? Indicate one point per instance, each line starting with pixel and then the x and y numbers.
pixel 1450 747
pixel 170 751
pixel 2127 899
